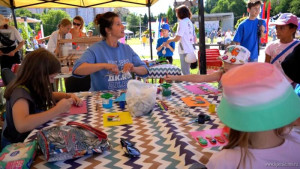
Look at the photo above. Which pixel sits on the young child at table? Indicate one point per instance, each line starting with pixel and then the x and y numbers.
pixel 286 27
pixel 30 100
pixel 260 107
pixel 165 50
pixel 234 56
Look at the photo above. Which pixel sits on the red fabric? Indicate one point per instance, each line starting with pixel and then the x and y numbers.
pixel 263 11
pixel 268 18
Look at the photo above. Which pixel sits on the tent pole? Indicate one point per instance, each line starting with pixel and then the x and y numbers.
pixel 150 32
pixel 13 13
pixel 202 57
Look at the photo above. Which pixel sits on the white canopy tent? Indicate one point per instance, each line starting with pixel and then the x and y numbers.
pixel 26 20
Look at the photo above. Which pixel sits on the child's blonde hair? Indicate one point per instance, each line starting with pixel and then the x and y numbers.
pixel 241 139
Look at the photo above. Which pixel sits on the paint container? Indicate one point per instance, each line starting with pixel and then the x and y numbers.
pixel 107 100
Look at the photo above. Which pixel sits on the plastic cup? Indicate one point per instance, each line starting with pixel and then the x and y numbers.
pixel 122 104
pixel 166 91
pixel 107 100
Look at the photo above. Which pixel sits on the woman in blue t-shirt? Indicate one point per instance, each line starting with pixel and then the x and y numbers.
pixel 109 62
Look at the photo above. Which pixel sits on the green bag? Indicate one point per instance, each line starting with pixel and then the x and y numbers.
pixel 18 155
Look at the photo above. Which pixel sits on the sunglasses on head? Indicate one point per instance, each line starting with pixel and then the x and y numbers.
pixel 77 24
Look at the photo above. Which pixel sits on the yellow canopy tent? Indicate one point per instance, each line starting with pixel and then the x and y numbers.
pixel 14 4
pixel 75 3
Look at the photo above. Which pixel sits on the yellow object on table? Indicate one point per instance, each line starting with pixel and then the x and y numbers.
pixel 212 108
pixel 123 118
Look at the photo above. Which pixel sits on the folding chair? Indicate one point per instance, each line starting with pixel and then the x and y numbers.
pixel 7 76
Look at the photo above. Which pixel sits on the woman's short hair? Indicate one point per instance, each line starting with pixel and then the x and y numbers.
pixel 81 21
pixel 106 20
pixel 183 12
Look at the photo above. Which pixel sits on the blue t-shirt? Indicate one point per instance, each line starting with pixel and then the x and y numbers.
pixel 100 52
pixel 246 35
pixel 169 53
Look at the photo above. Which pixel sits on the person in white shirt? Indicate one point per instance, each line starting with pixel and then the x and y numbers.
pixel 228 36
pixel 64 28
pixel 185 35
pixel 10 43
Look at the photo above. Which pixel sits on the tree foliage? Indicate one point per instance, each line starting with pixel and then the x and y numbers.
pixel 133 22
pixel 238 7
pixel 209 5
pixel 145 20
pixel 171 15
pixel 284 6
pixel 51 19
pixel 122 12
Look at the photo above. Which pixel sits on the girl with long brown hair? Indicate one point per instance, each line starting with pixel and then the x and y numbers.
pixel 30 99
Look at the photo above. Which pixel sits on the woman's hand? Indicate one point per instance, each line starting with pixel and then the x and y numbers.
pixel 64 105
pixel 128 67
pixel 112 67
pixel 76 100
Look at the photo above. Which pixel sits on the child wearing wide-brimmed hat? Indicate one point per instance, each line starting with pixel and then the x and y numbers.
pixel 235 55
pixel 260 107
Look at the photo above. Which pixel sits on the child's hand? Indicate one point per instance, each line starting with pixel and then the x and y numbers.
pixel 170 78
pixel 64 105
pixel 262 28
pixel 76 100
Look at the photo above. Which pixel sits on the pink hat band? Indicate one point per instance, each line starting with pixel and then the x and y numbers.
pixel 270 84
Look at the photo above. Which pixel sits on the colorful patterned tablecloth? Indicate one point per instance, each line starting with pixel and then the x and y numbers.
pixel 160 71
pixel 162 137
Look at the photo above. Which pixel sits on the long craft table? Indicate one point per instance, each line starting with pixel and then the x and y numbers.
pixel 162 137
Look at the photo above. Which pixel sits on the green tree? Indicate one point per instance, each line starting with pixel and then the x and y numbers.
pixel 209 5
pixel 284 6
pixel 22 12
pixel 171 16
pixel 122 12
pixel 294 7
pixel 238 7
pixel 133 22
pixel 52 19
pixel 145 20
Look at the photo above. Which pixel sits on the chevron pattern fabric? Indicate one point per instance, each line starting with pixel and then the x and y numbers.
pixel 162 137
pixel 160 71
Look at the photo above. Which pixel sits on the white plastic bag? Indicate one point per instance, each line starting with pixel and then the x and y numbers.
pixel 191 57
pixel 140 97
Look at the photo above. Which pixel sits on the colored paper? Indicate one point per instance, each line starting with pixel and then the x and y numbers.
pixel 194 101
pixel 77 109
pixel 125 118
pixel 212 133
pixel 121 98
pixel 202 89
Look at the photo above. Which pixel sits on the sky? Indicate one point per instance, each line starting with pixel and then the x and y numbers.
pixel 161 6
